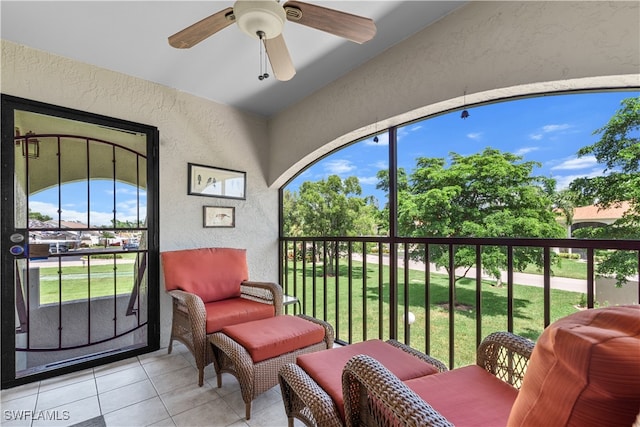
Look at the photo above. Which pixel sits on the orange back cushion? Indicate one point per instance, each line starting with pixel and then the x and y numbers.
pixel 213 274
pixel 584 371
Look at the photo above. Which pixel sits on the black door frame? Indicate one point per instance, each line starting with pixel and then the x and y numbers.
pixel 7 292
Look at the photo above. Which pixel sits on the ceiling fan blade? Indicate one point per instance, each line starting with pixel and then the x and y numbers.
pixel 199 31
pixel 352 27
pixel 279 58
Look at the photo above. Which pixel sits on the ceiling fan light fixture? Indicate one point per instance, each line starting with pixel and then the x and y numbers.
pixel 255 16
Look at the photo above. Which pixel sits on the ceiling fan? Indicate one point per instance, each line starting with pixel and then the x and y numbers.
pixel 264 20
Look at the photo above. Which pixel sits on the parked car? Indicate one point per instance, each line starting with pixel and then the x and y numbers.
pixel 130 247
pixel 58 248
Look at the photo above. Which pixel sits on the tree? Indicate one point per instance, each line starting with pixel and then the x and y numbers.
pixel 116 223
pixel 489 194
pixel 38 216
pixel 331 207
pixel 564 203
pixel 291 224
pixel 619 150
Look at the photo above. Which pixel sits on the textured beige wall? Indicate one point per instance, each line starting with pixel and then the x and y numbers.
pixel 191 130
pixel 490 49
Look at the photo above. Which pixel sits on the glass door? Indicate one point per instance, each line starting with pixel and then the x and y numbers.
pixel 79 255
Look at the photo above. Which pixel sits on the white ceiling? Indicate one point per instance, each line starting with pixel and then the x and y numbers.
pixel 131 37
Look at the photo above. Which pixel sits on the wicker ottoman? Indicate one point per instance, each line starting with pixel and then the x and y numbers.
pixel 255 351
pixel 312 387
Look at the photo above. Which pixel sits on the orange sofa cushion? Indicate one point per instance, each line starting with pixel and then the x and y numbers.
pixel 269 338
pixel 235 310
pixel 325 367
pixel 584 371
pixel 467 396
pixel 213 274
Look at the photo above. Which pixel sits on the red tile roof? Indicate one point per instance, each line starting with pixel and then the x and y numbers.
pixel 594 212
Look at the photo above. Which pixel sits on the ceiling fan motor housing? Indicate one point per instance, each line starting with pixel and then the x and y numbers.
pixel 260 16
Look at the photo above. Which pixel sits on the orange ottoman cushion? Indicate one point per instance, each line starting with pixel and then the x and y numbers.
pixel 325 367
pixel 211 273
pixel 235 310
pixel 467 396
pixel 269 338
pixel 584 371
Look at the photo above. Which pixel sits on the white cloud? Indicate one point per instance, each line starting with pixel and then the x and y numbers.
pixel 382 164
pixel 549 129
pixel 44 208
pixel 126 212
pixel 555 128
pixel 576 163
pixel 474 135
pixel 562 182
pixel 525 150
pixel 338 166
pixel 368 180
pixel 131 191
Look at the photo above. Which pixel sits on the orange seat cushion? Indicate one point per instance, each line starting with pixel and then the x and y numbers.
pixel 213 274
pixel 235 310
pixel 269 338
pixel 325 367
pixel 584 371
pixel 467 396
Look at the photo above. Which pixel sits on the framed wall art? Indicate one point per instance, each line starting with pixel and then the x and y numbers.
pixel 217 182
pixel 219 216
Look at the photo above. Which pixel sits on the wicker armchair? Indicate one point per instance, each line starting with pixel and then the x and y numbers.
pixel 374 397
pixel 210 289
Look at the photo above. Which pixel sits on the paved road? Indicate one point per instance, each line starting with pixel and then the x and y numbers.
pixel 562 283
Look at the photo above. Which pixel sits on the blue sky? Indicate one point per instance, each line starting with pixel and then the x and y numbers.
pixel 74 204
pixel 548 129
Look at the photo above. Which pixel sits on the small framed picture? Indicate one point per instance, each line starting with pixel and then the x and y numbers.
pixel 219 216
pixel 217 182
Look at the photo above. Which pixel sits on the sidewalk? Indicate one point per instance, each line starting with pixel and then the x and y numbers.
pixel 561 283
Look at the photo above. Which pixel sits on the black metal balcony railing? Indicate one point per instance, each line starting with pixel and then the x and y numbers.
pixel 374 287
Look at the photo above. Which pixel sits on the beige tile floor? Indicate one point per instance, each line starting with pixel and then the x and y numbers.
pixel 155 389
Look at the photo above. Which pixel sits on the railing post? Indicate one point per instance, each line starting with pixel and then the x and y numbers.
pixel 590 277
pixel 452 303
pixel 547 286
pixel 393 290
pixel 479 336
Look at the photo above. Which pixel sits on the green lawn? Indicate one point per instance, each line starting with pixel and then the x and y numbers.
pixel 569 268
pixel 75 282
pixel 527 303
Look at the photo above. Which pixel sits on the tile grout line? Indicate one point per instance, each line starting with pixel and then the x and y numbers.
pixel 95 382
pixel 35 405
pixel 156 389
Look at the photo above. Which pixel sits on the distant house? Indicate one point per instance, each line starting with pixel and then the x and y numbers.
pixel 593 216
pixel 73 233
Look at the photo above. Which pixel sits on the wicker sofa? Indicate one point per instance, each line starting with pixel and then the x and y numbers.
pixel 583 371
pixel 210 289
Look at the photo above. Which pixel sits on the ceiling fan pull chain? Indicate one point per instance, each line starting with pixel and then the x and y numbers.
pixel 260 76
pixel 266 66
pixel 263 72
